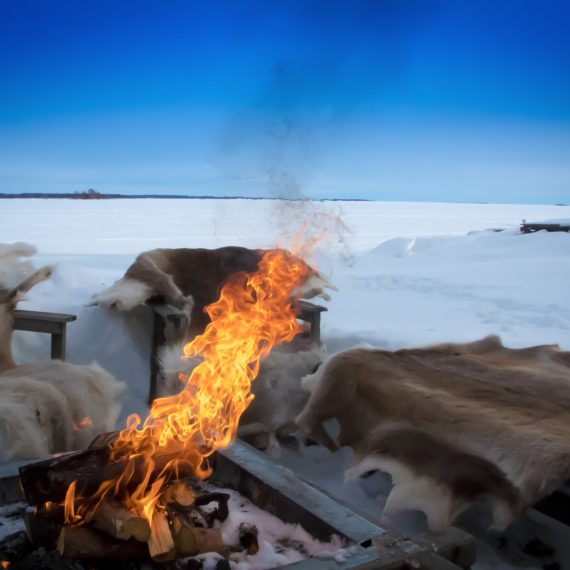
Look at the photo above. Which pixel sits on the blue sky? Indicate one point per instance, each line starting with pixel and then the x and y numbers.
pixel 454 100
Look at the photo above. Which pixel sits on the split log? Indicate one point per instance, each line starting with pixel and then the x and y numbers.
pixel 49 480
pixel 119 522
pixel 80 542
pixel 190 540
pixel 161 543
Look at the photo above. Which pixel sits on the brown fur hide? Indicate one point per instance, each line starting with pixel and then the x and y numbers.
pixel 503 412
pixel 190 279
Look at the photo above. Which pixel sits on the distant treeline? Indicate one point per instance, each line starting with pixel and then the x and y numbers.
pixel 94 195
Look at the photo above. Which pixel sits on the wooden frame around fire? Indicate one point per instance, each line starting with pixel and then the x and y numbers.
pixel 279 491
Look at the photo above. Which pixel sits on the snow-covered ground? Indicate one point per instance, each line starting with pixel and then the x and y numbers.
pixel 407 274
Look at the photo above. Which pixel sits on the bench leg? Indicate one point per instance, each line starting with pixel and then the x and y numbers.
pixel 316 328
pixel 157 341
pixel 58 342
pixel 160 328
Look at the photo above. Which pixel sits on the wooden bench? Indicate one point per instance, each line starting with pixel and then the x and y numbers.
pixel 54 324
pixel 170 322
pixel 531 228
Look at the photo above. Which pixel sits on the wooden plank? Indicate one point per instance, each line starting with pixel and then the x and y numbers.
pixel 307 306
pixel 40 316
pixel 35 321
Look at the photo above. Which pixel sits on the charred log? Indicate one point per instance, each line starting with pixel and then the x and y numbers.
pixel 49 480
pixel 43 523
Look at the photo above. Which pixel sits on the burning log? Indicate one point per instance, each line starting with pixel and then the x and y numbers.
pixel 118 522
pixel 43 523
pixel 117 534
pixel 79 542
pixel 49 480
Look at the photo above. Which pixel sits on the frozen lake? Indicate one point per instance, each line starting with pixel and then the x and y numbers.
pixel 131 226
pixel 407 273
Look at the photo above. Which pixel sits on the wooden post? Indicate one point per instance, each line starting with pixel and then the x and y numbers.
pixel 58 344
pixel 165 318
pixel 311 313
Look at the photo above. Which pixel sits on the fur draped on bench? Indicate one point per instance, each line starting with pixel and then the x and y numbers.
pixel 452 423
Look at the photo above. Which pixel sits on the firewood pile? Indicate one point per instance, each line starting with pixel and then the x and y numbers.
pixel 114 533
pixel 186 525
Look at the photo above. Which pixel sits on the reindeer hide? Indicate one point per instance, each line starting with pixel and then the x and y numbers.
pixel 510 408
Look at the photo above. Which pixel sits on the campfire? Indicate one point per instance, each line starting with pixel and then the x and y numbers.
pixel 140 492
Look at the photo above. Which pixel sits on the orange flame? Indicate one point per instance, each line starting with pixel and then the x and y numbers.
pixel 253 314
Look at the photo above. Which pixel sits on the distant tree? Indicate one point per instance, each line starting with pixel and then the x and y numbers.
pixel 89 195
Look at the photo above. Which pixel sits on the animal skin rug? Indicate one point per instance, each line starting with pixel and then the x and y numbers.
pixel 461 421
pixel 191 279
